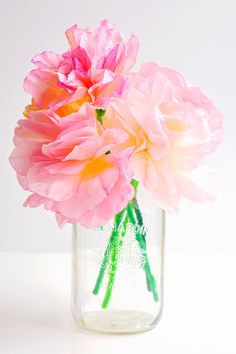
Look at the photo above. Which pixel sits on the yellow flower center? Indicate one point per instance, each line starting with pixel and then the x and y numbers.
pixel 97 166
pixel 72 107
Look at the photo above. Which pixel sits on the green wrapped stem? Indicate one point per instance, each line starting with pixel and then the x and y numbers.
pixel 141 239
pixel 114 257
pixel 133 215
pixel 119 219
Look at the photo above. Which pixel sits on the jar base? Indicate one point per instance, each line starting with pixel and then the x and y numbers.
pixel 117 322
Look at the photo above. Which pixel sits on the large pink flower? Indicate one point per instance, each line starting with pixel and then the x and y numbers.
pixel 73 166
pixel 173 126
pixel 92 70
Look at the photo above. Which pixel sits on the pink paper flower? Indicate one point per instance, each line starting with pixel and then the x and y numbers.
pixel 92 70
pixel 73 166
pixel 173 126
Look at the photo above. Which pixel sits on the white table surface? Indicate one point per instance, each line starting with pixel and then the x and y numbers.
pixel 199 311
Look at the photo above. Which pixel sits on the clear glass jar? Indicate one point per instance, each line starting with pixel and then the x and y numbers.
pixel 117 271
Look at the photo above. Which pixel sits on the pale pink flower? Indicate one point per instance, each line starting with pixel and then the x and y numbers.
pixel 92 70
pixel 73 166
pixel 173 126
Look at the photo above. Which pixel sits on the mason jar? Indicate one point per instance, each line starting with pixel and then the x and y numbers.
pixel 117 271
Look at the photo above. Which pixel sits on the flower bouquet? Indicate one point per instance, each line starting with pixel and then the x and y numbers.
pixel 94 138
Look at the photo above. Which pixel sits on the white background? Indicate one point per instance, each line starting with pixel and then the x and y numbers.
pixel 195 37
pixel 198 39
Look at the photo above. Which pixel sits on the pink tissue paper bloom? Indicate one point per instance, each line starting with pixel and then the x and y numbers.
pixel 73 166
pixel 173 126
pixel 92 70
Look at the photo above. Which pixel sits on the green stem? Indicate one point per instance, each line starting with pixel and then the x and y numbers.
pixel 151 283
pixel 115 232
pixel 114 259
pixel 103 265
pixel 100 113
pixel 106 257
pixel 133 214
